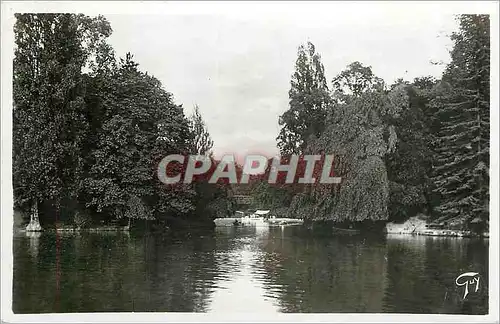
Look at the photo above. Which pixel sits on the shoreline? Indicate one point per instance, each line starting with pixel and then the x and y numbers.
pixel 419 227
pixel 409 228
pixel 76 229
pixel 441 233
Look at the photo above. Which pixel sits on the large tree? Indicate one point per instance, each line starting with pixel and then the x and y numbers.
pixel 140 125
pixel 355 80
pixel 462 103
pixel 309 100
pixel 89 132
pixel 409 165
pixel 360 133
pixel 49 122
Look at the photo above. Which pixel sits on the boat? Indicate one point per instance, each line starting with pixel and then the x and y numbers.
pixel 257 218
pixel 284 221
pixel 348 231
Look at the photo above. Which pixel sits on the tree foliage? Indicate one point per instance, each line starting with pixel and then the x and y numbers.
pixel 89 131
pixel 50 116
pixel 355 80
pixel 409 165
pixel 139 126
pixel 419 147
pixel 461 144
pixel 309 100
pixel 360 135
pixel 202 141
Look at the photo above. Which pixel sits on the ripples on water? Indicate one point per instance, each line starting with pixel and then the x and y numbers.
pixel 245 269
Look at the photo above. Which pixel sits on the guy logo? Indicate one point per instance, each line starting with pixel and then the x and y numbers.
pixel 466 279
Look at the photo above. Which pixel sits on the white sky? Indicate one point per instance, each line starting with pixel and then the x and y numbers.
pixel 237 65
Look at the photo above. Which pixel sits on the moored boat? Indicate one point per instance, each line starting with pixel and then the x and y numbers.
pixel 285 221
pixel 348 231
pixel 256 218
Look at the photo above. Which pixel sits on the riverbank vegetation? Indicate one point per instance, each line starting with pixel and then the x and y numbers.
pixel 89 129
pixel 403 149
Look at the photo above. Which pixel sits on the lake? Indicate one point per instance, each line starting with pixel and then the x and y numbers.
pixel 246 269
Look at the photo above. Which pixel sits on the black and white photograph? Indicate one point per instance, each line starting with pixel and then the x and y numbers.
pixel 249 161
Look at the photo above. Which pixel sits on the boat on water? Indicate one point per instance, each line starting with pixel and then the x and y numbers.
pixel 284 221
pixel 257 218
pixel 348 231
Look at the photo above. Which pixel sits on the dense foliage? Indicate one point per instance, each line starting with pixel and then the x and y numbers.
pixel 360 134
pixel 89 131
pixel 50 126
pixel 462 104
pixel 305 119
pixel 202 142
pixel 402 150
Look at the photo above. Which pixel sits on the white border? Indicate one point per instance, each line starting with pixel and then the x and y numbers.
pixel 241 9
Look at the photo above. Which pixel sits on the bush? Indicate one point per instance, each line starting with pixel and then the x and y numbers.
pixel 137 209
pixel 81 219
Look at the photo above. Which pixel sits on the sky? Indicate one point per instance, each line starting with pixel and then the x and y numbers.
pixel 236 65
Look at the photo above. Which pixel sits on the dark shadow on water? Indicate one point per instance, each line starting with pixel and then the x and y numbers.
pixel 422 272
pixel 91 272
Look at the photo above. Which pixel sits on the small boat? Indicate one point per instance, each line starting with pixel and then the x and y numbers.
pixel 285 221
pixel 349 231
pixel 256 218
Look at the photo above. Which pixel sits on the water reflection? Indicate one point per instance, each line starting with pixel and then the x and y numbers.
pixel 325 274
pixel 243 287
pixel 245 269
pixel 422 273
pixel 34 239
pixel 91 272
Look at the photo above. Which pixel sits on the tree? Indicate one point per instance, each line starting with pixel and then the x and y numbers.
pixel 50 122
pixel 409 165
pixel 309 101
pixel 212 200
pixel 140 125
pixel 202 141
pixel 89 132
pixel 361 137
pixel 360 133
pixel 460 172
pixel 355 80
